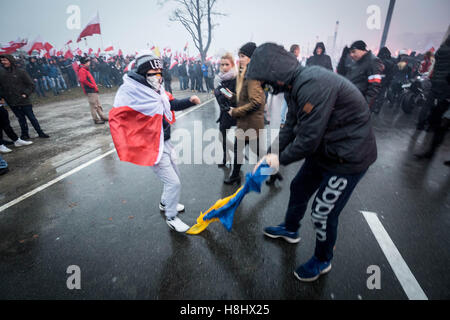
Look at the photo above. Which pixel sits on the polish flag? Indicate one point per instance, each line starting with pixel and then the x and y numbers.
pixel 111 48
pixel 69 42
pixel 47 47
pixel 36 45
pixel 136 122
pixel 174 63
pixel 92 28
pixel 120 53
pixel 68 55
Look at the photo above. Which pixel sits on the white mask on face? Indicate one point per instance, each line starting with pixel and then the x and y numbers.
pixel 154 82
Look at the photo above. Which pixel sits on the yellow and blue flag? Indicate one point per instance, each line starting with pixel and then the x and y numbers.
pixel 224 209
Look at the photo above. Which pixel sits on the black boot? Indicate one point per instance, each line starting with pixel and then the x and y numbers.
pixel 224 162
pixel 235 176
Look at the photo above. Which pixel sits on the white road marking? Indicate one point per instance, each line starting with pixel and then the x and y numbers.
pixel 77 169
pixel 398 265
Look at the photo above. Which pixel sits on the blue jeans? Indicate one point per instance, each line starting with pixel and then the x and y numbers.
pixel 61 82
pixel 181 79
pixel 334 191
pixel 284 109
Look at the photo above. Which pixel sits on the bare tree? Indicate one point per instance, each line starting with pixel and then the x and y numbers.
pixel 196 16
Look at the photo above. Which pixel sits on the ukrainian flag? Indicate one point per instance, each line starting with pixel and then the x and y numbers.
pixel 224 209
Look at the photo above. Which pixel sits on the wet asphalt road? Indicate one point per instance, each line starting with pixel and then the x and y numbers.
pixel 105 219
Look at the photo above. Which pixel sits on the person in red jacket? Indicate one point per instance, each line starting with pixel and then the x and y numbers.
pixel 90 88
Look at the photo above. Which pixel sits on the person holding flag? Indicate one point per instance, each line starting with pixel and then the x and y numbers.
pixel 328 125
pixel 140 127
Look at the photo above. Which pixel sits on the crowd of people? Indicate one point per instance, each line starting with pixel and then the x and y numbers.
pixel 326 118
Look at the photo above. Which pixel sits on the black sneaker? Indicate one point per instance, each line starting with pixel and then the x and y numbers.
pixel 25 137
pixel 43 135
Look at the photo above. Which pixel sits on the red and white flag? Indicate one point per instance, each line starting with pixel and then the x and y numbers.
pixel 93 27
pixel 68 42
pixel 47 47
pixel 111 48
pixel 174 63
pixel 68 54
pixel 36 45
pixel 136 122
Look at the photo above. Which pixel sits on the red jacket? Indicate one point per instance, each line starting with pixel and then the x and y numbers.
pixel 87 81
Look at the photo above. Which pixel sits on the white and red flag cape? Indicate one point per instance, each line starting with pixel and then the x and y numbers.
pixel 136 122
pixel 92 28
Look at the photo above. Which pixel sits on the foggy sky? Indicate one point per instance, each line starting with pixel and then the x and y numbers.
pixel 133 24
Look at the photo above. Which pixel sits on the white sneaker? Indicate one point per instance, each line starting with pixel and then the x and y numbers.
pixel 180 207
pixel 4 149
pixel 21 143
pixel 177 225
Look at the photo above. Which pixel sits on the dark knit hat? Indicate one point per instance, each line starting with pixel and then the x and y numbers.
pixel 360 45
pixel 147 62
pixel 248 49
pixel 84 60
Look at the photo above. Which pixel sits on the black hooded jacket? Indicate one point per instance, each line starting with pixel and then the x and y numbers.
pixel 328 119
pixel 366 74
pixel 441 73
pixel 389 64
pixel 15 82
pixel 321 60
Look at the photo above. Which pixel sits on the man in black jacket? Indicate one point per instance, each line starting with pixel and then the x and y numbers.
pixel 365 72
pixel 320 58
pixel 16 88
pixel 439 99
pixel 388 62
pixel 328 125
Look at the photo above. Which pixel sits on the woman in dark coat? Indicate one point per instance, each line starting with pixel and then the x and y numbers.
pixel 227 80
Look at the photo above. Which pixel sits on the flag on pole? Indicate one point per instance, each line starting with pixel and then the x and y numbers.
pixel 47 47
pixel 157 52
pixel 36 45
pixel 111 48
pixel 174 63
pixel 93 27
pixel 68 54
pixel 68 42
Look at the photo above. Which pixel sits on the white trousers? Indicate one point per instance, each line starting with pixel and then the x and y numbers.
pixel 168 173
